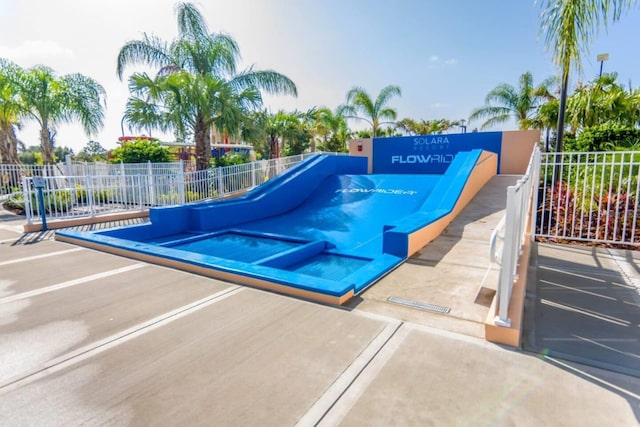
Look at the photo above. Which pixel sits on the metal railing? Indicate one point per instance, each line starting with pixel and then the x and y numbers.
pixel 590 197
pixel 521 200
pixel 11 174
pixel 68 196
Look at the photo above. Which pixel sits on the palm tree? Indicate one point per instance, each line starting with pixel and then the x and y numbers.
pixel 546 118
pixel 197 85
pixel 361 106
pixel 51 100
pixel 10 112
pixel 569 27
pixel 425 127
pixel 603 100
pixel 331 129
pixel 505 102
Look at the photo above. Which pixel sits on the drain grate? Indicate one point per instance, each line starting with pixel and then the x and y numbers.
pixel 420 305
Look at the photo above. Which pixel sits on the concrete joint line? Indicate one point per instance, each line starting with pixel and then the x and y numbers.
pixel 70 283
pixel 574 272
pixel 97 347
pixel 35 257
pixel 340 397
pixel 17 229
pixel 629 274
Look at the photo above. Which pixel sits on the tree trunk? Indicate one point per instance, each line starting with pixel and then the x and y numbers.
pixel 13 147
pixel 9 155
pixel 203 146
pixel 273 146
pixel 4 147
pixel 561 111
pixel 45 144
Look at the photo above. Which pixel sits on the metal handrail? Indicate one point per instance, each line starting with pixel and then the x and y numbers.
pixel 521 200
pixel 493 255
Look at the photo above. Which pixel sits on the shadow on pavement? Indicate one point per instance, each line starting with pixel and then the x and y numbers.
pixel 581 309
pixel 628 387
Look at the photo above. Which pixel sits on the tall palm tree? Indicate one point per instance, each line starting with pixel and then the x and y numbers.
pixel 361 106
pixel 11 110
pixel 188 104
pixel 331 129
pixel 568 27
pixel 208 86
pixel 51 100
pixel 505 102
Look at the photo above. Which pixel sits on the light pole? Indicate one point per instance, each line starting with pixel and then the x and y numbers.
pixel 601 58
pixel 463 127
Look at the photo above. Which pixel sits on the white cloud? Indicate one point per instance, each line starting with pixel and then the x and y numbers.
pixel 31 52
pixel 438 105
pixel 436 60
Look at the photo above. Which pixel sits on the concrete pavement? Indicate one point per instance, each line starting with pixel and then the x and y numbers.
pixel 453 271
pixel 584 305
pixel 111 341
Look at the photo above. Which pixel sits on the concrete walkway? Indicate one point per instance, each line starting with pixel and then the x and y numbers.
pixel 584 305
pixel 454 271
pixel 89 338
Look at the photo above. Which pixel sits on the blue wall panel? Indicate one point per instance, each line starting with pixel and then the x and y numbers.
pixel 430 154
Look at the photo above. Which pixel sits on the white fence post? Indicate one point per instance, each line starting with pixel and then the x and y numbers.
pixel 152 186
pixel 181 185
pixel 90 198
pixel 220 181
pixel 508 252
pixel 535 187
pixel 26 195
pixel 139 179
pixel 68 165
pixel 253 174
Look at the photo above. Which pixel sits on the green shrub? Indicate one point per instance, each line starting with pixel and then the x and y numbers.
pixel 606 137
pixel 230 159
pixel 141 151
pixel 192 196
pixel 15 203
pixel 99 196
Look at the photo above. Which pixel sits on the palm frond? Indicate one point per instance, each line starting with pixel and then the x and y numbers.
pixel 151 50
pixel 385 95
pixel 191 23
pixel 387 114
pixel 503 93
pixel 86 100
pixel 270 81
pixel 495 115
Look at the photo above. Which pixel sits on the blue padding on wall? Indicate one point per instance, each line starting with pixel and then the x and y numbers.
pixel 429 154
pixel 278 197
pixel 285 259
pixel 440 202
pixel 324 226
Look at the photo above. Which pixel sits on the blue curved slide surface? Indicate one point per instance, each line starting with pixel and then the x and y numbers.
pixel 325 226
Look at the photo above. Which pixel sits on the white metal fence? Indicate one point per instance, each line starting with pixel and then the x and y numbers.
pixel 69 196
pixel 512 232
pixel 11 174
pixel 590 197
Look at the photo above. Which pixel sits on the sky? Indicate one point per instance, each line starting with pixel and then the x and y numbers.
pixel 444 55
